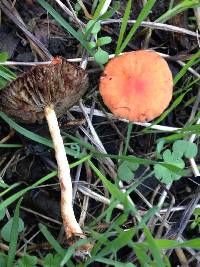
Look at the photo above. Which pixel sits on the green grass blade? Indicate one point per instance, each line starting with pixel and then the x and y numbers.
pixel 142 255
pixel 51 239
pixel 153 247
pixel 109 262
pixel 70 251
pixel 194 60
pixel 32 136
pixel 98 9
pixel 170 244
pixel 143 14
pixel 9 189
pixel 10 145
pixel 14 237
pixel 19 194
pixel 128 137
pixel 123 238
pixel 194 129
pixel 184 5
pixel 7 74
pixel 115 192
pixel 123 26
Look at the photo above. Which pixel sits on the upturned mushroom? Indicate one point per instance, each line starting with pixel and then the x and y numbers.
pixel 137 85
pixel 48 91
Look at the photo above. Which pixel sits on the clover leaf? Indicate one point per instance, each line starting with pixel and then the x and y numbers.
pixel 186 148
pixel 164 174
pixel 126 170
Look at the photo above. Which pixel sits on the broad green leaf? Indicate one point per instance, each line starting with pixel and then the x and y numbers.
pixel 101 56
pixel 92 45
pixel 160 145
pixel 165 175
pixel 104 40
pixel 162 174
pixel 126 170
pixel 186 148
pixel 7 228
pixel 95 25
pixel 124 173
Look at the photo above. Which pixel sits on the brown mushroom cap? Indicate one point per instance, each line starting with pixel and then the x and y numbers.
pixel 60 83
pixel 137 85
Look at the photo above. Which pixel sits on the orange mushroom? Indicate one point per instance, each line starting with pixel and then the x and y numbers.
pixel 137 85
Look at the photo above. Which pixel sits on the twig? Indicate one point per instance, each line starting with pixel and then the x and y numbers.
pixel 155 25
pixel 191 70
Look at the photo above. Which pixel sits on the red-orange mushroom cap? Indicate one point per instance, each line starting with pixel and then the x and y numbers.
pixel 137 85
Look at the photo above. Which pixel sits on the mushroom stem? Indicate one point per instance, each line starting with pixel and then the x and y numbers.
pixel 71 226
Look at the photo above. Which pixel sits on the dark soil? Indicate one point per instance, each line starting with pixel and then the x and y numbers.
pixel 31 162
